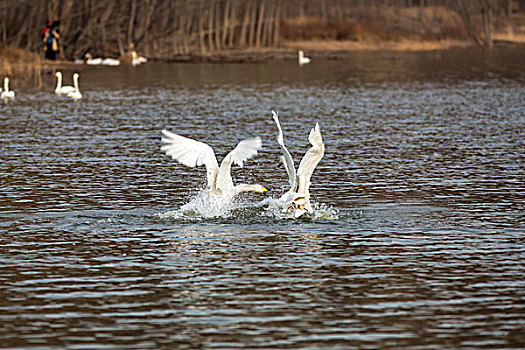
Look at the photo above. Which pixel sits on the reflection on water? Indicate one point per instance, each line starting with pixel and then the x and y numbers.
pixel 424 166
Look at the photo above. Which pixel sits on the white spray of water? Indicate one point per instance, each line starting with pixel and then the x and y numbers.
pixel 276 208
pixel 206 205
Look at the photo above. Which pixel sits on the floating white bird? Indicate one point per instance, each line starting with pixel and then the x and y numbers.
pixel 92 61
pixel 62 90
pixel 75 95
pixel 297 199
pixel 136 59
pixel 302 58
pixel 6 94
pixel 194 153
pixel 100 61
pixel 110 62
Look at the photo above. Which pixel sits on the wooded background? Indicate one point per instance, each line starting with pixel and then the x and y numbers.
pixel 167 28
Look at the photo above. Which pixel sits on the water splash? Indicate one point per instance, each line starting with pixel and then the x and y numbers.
pixel 275 209
pixel 206 206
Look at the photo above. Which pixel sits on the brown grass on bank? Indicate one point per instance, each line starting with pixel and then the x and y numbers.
pixel 22 65
pixel 367 45
pixel 378 24
pixel 392 28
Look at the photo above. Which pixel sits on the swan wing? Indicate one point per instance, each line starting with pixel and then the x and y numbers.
pixel 245 150
pixel 191 153
pixel 287 157
pixel 310 159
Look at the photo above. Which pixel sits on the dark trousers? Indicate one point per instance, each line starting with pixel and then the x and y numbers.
pixel 50 53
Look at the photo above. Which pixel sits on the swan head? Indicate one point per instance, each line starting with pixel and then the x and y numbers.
pixel 58 74
pixel 258 189
pixel 281 161
pixel 250 188
pixel 88 56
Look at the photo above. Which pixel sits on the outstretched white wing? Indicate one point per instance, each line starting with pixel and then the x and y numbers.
pixel 310 159
pixel 244 151
pixel 191 153
pixel 287 157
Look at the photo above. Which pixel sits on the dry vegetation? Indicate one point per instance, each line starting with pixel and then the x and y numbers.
pixel 20 63
pixel 167 29
pixel 396 28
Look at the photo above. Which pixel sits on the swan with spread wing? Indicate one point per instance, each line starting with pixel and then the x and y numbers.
pixel 297 199
pixel 195 153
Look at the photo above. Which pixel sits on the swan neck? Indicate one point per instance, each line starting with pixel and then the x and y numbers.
pixel 75 82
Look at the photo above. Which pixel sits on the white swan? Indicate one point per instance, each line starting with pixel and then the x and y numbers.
pixel 302 58
pixel 110 62
pixel 62 90
pixel 6 94
pixel 136 59
pixel 92 61
pixel 194 153
pixel 297 199
pixel 75 95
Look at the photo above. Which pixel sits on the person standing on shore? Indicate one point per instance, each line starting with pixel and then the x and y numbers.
pixel 50 40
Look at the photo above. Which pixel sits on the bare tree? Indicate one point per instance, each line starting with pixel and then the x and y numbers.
pixel 163 28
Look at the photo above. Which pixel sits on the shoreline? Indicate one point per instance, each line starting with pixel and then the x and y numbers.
pixel 326 49
pixel 287 51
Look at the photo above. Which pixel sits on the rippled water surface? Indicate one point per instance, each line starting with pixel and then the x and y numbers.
pixel 423 178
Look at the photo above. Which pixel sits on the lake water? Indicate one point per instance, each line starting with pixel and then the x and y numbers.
pixel 419 242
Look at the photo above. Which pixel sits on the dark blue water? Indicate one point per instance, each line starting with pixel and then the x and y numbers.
pixel 420 244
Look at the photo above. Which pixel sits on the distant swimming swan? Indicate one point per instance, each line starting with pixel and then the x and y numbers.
pixel 62 90
pixel 110 62
pixel 92 61
pixel 297 199
pixel 302 59
pixel 100 61
pixel 75 95
pixel 6 94
pixel 194 153
pixel 136 59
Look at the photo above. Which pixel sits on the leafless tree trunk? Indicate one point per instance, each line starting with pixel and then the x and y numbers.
pixel 277 23
pixel 243 40
pixel 233 22
pixel 202 45
pixel 260 21
pixel 131 23
pixel 253 21
pixel 171 27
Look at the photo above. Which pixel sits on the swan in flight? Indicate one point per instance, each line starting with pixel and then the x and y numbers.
pixel 194 153
pixel 6 94
pixel 62 90
pixel 136 59
pixel 75 95
pixel 297 199
pixel 302 58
